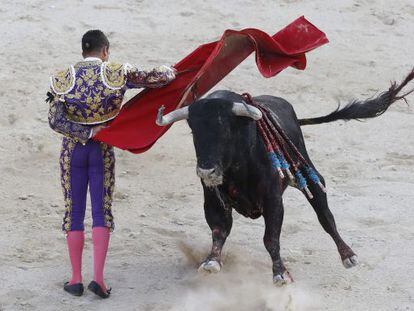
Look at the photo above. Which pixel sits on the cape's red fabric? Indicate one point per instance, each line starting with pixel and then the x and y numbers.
pixel 135 129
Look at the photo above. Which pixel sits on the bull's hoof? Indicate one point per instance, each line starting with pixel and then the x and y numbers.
pixel 282 279
pixel 350 261
pixel 211 266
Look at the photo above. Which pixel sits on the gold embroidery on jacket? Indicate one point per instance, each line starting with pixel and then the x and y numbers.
pixel 92 100
pixel 63 81
pixel 74 131
pixel 113 75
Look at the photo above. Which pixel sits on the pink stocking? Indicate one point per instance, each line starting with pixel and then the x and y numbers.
pixel 100 238
pixel 75 241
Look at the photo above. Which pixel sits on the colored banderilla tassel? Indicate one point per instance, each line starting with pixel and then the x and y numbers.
pixel 276 163
pixel 302 184
pixel 314 177
pixel 276 142
pixel 285 166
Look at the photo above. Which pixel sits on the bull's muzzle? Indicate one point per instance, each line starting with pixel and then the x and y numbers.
pixel 211 177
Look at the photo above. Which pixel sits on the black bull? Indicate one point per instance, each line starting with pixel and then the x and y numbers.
pixel 236 172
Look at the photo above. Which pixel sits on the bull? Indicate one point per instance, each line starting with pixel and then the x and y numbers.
pixel 236 173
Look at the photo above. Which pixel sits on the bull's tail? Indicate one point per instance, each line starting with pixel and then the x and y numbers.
pixel 371 108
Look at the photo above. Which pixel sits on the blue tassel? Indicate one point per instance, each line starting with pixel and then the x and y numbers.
pixel 283 162
pixel 302 184
pixel 312 175
pixel 274 160
pixel 276 163
pixel 300 180
pixel 285 166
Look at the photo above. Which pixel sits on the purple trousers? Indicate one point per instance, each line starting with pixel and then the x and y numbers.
pixel 91 165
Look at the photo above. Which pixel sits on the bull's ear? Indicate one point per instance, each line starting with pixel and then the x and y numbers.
pixel 245 110
pixel 173 116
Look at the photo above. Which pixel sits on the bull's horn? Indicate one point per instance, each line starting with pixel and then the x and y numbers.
pixel 173 116
pixel 245 110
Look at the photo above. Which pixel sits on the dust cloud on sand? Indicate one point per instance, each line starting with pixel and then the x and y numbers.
pixel 243 284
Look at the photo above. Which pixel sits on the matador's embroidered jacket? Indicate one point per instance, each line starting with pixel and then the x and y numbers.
pixel 91 92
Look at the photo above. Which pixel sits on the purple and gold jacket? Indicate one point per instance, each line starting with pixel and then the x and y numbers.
pixel 91 92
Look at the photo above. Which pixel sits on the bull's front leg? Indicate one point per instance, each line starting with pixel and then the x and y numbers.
pixel 273 217
pixel 220 220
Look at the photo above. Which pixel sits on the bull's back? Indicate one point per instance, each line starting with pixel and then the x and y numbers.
pixel 282 109
pixel 285 116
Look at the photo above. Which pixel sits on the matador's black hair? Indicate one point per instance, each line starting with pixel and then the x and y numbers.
pixel 94 40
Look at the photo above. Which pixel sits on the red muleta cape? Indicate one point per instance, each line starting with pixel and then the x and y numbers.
pixel 134 129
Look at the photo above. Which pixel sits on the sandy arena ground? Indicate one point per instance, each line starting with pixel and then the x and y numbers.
pixel 161 233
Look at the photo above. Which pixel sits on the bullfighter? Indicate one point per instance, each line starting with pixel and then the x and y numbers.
pixel 83 98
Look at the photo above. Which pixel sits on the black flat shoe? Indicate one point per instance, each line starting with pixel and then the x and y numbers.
pixel 74 289
pixel 97 290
